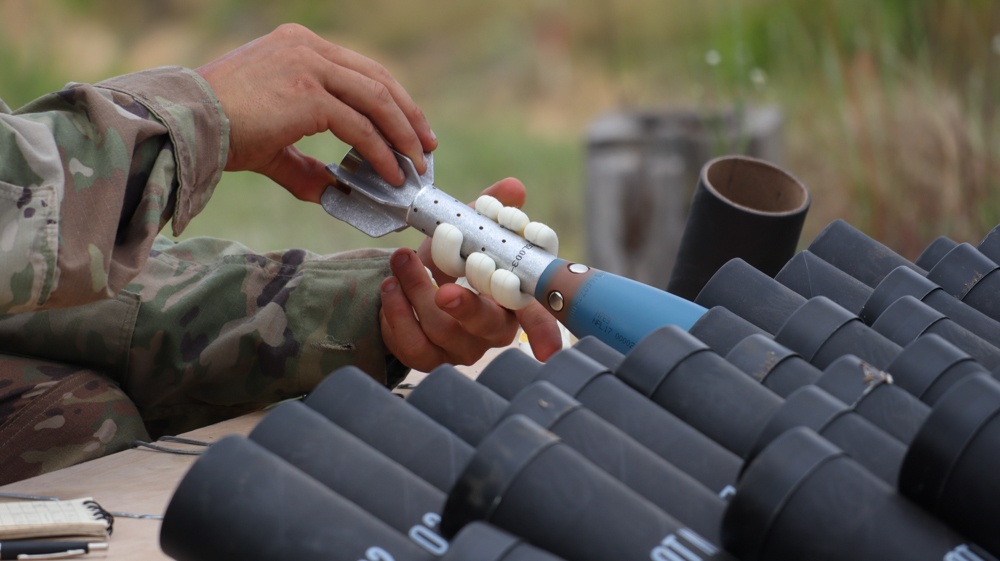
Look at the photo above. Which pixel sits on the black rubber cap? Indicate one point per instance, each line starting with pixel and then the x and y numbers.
pixel 572 370
pixel 934 252
pixel 961 269
pixel 650 362
pixel 599 351
pixel 951 465
pixel 768 482
pixel 809 328
pixel 757 356
pixel 499 459
pixel 509 372
pixel 906 319
pixel 902 281
pixel 921 365
pixel 721 329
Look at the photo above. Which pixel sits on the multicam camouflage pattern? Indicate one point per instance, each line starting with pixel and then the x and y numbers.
pixel 193 332
pixel 209 330
pixel 90 174
pixel 56 415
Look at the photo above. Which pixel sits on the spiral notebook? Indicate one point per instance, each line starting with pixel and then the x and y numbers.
pixel 82 518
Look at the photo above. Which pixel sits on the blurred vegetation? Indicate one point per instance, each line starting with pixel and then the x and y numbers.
pixel 890 105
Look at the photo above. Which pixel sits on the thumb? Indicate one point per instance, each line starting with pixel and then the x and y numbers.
pixel 303 176
pixel 542 330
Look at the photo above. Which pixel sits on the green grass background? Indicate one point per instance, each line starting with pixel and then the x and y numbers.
pixel 890 105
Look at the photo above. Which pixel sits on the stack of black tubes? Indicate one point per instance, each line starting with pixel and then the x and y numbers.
pixel 846 407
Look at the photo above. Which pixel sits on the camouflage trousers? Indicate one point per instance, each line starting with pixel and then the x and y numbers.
pixel 209 330
pixel 55 415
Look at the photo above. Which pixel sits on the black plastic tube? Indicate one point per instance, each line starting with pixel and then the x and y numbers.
pixel 774 365
pixel 239 501
pixel 510 371
pixel 934 252
pixel 905 282
pixel 660 482
pixel 651 425
pixel 380 486
pixel 459 404
pixel 963 272
pixel 821 331
pixel 855 253
pixel 873 395
pixel 817 328
pixel 990 244
pixel 526 481
pixel 599 351
pixel 908 318
pixel 951 467
pixel 722 330
pixel 685 377
pixel 383 488
pixel 803 498
pixel 813 408
pixel 929 366
pixel 868 390
pixel 967 274
pixel 808 275
pixel 667 436
pixel 716 398
pixel 742 207
pixel 481 542
pixel 750 294
pixel 357 403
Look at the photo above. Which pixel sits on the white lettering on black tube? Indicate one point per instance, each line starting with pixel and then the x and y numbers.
pixel 377 554
pixel 424 535
pixel 962 553
pixel 683 545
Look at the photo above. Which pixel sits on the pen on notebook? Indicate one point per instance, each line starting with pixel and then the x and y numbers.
pixel 43 549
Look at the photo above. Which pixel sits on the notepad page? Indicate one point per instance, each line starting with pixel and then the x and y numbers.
pixel 77 517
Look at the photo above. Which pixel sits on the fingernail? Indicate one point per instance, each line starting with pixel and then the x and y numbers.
pixel 400 258
pixel 451 304
pixel 434 136
pixel 390 284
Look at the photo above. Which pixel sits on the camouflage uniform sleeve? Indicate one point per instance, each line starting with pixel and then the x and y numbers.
pixel 222 330
pixel 195 331
pixel 90 174
pixel 210 329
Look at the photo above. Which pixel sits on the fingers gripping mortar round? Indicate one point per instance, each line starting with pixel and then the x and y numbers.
pixel 617 310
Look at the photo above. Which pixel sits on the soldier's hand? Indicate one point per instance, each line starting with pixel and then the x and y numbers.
pixel 425 326
pixel 291 83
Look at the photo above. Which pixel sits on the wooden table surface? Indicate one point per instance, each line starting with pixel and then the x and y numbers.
pixel 142 481
pixel 137 481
